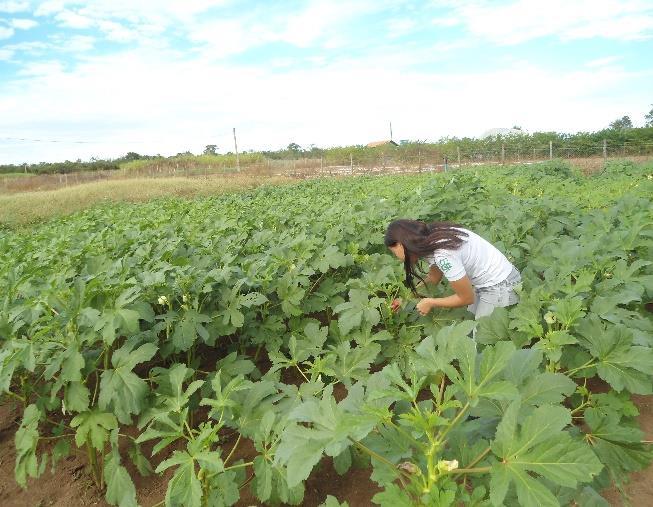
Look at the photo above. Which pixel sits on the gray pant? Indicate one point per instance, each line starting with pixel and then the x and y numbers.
pixel 501 294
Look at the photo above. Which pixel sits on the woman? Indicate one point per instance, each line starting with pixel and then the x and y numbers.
pixel 480 275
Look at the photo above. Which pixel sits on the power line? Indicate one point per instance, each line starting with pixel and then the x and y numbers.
pixel 66 141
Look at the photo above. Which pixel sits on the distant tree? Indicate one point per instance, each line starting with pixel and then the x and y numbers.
pixel 210 149
pixel 649 118
pixel 294 147
pixel 515 127
pixel 622 123
pixel 132 155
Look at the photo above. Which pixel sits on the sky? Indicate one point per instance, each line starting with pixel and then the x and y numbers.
pixel 100 78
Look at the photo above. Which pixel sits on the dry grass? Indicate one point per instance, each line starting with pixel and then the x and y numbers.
pixel 591 165
pixel 31 207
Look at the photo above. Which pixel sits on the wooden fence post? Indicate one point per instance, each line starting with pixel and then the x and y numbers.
pixel 605 149
pixel 550 150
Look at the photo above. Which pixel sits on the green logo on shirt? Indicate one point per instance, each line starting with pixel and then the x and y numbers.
pixel 445 265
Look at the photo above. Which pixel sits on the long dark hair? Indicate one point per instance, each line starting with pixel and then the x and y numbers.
pixel 419 240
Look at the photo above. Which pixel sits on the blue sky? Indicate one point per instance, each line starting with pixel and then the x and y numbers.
pixel 103 77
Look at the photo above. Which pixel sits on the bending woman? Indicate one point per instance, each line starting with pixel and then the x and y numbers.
pixel 480 275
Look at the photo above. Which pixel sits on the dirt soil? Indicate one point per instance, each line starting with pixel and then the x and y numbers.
pixel 70 485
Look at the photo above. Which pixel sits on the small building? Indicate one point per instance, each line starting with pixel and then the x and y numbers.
pixel 376 144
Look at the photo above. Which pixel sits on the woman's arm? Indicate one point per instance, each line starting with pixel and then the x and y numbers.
pixel 463 296
pixel 434 276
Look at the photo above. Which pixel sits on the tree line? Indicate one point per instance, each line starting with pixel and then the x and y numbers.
pixel 620 135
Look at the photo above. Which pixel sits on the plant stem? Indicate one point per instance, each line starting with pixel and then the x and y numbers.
pixel 97 383
pixel 190 431
pixel 417 443
pixel 453 423
pixel 579 407
pixel 232 449
pixel 380 458
pixel 92 460
pixel 60 436
pixel 300 371
pixel 482 470
pixel 17 396
pixel 479 458
pixel 249 479
pixel 588 364
pixel 258 351
pixel 240 465
pixel 441 391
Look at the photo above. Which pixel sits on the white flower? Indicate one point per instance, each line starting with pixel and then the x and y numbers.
pixel 448 465
pixel 162 300
pixel 550 318
pixel 184 298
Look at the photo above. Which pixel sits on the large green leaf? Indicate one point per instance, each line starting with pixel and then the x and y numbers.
pixel 188 328
pixel 359 309
pixel 120 388
pixel 332 427
pixel 93 427
pixel 619 362
pixel 26 440
pixel 618 443
pixel 537 446
pixel 120 487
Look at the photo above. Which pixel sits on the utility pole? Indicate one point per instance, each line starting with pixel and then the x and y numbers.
pixel 390 131
pixel 236 147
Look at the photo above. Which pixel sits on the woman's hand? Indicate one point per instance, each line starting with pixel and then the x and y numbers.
pixel 395 305
pixel 425 305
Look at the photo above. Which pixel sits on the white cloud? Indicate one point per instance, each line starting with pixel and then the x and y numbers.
pixel 602 62
pixel 117 32
pixel 522 20
pixel 169 105
pixel 23 24
pixel 78 43
pixel 73 20
pixel 445 21
pixel 318 24
pixel 49 7
pixel 13 6
pixel 56 43
pixel 228 37
pixel 401 27
pixel 42 69
pixel 6 32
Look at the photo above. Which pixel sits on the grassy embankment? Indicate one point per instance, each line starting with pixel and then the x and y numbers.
pixel 26 208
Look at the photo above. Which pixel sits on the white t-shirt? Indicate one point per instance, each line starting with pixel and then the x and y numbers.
pixel 475 257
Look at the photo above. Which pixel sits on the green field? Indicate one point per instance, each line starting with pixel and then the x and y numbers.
pixel 29 208
pixel 151 335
